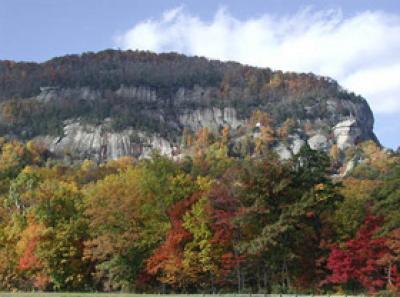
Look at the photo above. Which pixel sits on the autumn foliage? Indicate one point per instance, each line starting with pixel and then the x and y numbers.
pixel 214 222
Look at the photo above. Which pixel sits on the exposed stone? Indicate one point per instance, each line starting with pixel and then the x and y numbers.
pixel 99 143
pixel 51 94
pixel 318 142
pixel 192 109
pixel 212 118
pixel 346 133
pixel 349 167
pixel 296 145
pixel 283 152
pixel 145 94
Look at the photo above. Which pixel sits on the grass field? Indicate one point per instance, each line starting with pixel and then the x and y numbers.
pixel 41 294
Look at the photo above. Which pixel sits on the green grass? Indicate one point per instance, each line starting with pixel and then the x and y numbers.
pixel 72 294
pixel 41 294
pixel 52 294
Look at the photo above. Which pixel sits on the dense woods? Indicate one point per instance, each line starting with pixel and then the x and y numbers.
pixel 209 222
pixel 168 71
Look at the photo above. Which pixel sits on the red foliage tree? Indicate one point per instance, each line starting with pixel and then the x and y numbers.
pixel 358 259
pixel 29 260
pixel 32 264
pixel 223 210
pixel 166 261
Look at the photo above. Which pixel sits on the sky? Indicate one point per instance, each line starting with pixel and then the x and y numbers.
pixel 356 42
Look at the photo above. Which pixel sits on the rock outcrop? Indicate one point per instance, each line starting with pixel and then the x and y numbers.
pixel 212 118
pixel 101 142
pixel 110 104
pixel 347 133
pixel 318 142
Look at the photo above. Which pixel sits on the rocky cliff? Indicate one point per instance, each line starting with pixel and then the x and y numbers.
pixel 111 104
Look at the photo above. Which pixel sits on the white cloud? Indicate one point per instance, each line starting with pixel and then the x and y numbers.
pixel 362 52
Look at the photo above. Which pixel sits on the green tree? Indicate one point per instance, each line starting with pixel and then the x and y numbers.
pixel 60 244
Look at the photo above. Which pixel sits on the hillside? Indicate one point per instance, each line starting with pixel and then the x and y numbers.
pixel 234 201
pixel 109 104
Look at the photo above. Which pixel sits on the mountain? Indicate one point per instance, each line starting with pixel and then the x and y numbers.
pixel 113 103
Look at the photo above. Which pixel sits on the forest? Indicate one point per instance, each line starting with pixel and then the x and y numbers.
pixel 109 69
pixel 209 222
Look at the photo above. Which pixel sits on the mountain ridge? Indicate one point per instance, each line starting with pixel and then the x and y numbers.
pixel 113 103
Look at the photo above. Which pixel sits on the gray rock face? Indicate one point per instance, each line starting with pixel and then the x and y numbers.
pixel 283 152
pixel 52 94
pixel 140 93
pixel 100 142
pixel 318 142
pixel 212 118
pixel 296 145
pixel 196 94
pixel 346 133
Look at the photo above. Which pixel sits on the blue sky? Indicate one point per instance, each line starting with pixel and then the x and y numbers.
pixel 356 42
